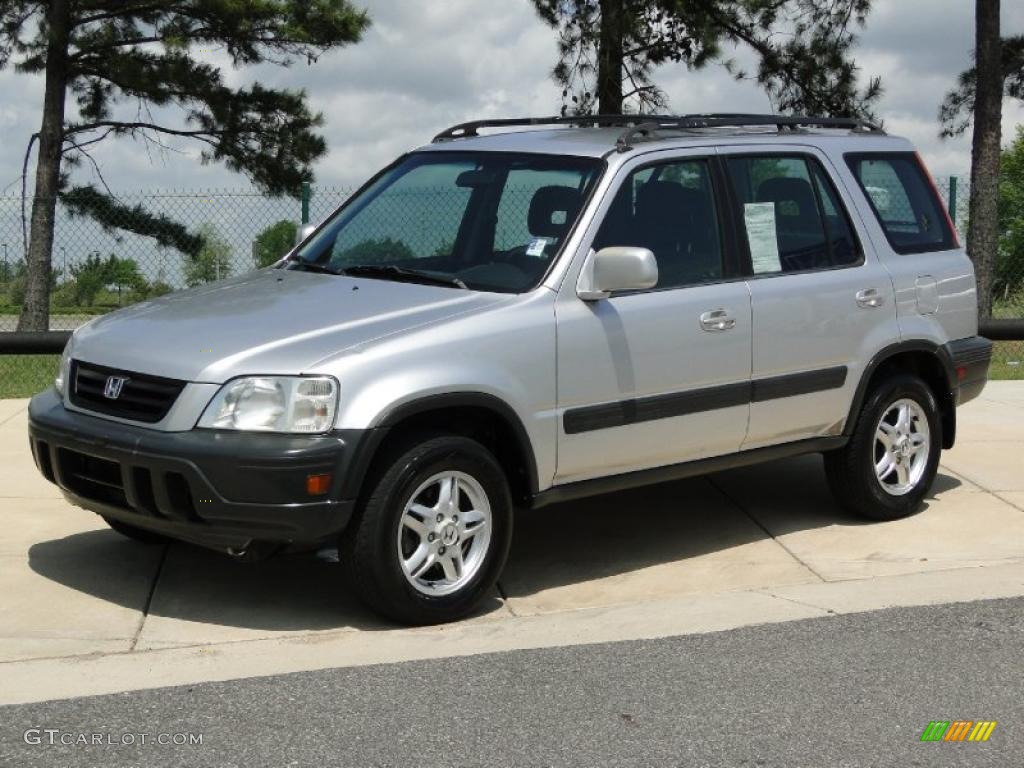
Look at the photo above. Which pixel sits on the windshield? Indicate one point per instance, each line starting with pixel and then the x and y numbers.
pixel 486 221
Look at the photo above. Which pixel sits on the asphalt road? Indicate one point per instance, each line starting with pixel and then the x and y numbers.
pixel 853 690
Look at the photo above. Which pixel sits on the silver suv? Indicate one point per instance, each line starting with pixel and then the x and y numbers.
pixel 528 316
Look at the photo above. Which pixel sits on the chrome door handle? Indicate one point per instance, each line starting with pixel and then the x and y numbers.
pixel 869 298
pixel 717 320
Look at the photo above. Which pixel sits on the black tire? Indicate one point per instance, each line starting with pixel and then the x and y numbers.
pixel 137 534
pixel 851 470
pixel 369 550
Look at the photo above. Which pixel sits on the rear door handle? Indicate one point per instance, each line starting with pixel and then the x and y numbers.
pixel 717 320
pixel 869 298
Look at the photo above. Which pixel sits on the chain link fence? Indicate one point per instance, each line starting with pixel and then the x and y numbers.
pixel 97 270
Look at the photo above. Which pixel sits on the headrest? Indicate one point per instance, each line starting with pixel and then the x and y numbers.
pixel 552 210
pixel 780 190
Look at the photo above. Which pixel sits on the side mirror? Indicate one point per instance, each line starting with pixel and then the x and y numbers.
pixel 618 268
pixel 304 231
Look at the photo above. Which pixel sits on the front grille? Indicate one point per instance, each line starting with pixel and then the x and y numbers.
pixel 142 397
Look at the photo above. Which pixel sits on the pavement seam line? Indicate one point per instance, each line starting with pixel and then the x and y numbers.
pixel 16 413
pixel 968 478
pixel 828 611
pixel 758 523
pixel 998 495
pixel 149 598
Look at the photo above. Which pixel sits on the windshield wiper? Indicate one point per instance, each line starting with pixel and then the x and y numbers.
pixel 392 272
pixel 312 266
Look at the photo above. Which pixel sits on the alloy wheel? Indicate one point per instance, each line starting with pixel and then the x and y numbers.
pixel 902 446
pixel 444 533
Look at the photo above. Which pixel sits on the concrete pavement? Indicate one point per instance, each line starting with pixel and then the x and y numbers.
pixel 85 611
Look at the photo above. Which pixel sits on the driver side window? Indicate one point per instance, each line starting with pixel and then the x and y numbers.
pixel 670 209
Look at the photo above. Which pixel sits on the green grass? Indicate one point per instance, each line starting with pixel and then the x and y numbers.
pixel 25 375
pixel 1007 360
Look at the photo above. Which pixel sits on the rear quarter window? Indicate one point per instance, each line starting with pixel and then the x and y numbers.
pixel 904 201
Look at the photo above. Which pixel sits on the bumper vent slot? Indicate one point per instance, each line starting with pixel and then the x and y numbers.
pixel 92 477
pixel 180 496
pixel 141 397
pixel 41 452
pixel 143 482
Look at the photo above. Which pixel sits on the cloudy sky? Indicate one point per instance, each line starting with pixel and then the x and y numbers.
pixel 424 66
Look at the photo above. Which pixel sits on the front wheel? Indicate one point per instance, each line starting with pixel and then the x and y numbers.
pixel 433 534
pixel 886 469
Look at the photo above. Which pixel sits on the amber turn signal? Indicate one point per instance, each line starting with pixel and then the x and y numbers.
pixel 318 485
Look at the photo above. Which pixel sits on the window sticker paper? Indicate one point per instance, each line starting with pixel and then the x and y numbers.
pixel 762 238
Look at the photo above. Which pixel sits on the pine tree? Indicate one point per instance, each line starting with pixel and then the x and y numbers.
pixel 608 50
pixel 117 60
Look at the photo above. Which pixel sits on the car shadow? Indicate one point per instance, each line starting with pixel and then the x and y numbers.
pixel 558 546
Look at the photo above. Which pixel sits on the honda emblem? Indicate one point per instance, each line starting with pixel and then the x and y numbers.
pixel 112 389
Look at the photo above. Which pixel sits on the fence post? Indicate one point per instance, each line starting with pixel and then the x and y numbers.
pixel 305 202
pixel 952 198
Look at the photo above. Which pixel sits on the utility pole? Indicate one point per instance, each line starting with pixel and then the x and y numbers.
pixel 7 275
pixel 64 258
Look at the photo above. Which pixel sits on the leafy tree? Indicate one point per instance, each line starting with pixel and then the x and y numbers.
pixel 90 276
pixel 1009 270
pixel 376 251
pixel 274 242
pixel 120 59
pixel 213 262
pixel 156 288
pixel 608 50
pixel 957 108
pixel 16 283
pixel 124 273
pixel 19 279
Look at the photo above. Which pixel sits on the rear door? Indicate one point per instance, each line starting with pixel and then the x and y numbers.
pixel 935 292
pixel 822 304
pixel 656 377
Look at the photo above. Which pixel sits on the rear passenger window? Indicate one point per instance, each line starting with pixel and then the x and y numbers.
pixel 669 209
pixel 792 215
pixel 904 200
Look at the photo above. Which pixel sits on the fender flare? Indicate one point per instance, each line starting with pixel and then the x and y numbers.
pixel 945 359
pixel 393 415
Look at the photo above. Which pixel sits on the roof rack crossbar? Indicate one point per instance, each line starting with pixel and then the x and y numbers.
pixel 645 126
pixel 780 122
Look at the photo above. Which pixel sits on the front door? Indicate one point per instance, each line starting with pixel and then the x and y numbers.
pixel 656 377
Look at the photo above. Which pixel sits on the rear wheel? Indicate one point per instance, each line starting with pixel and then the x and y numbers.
pixel 888 466
pixel 132 532
pixel 433 534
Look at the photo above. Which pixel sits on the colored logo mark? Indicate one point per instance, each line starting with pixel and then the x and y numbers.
pixel 958 730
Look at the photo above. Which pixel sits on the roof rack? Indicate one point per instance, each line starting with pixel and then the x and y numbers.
pixel 466 130
pixel 640 127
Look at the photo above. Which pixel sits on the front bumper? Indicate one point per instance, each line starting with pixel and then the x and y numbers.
pixel 226 490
